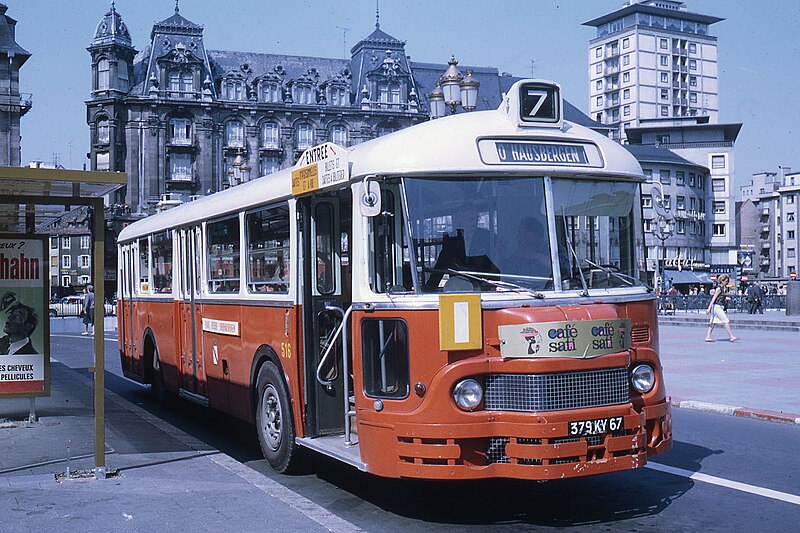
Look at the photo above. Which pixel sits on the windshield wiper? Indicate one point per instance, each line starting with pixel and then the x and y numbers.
pixel 585 291
pixel 481 276
pixel 619 275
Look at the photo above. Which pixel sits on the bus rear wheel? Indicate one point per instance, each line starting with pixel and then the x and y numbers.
pixel 274 421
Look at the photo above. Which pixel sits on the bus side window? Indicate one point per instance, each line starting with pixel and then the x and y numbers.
pixel 162 262
pixel 268 249
pixel 324 249
pixel 223 255
pixel 385 358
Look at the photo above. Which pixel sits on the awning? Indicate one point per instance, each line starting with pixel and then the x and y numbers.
pixel 683 277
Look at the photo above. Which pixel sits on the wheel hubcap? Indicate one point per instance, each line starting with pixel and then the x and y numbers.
pixel 271 417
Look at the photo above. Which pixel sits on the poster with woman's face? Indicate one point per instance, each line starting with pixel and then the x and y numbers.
pixel 24 344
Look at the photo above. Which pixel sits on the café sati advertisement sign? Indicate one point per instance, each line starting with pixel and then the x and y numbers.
pixel 576 338
pixel 24 315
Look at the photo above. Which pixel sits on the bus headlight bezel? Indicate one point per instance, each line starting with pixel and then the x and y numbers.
pixel 643 378
pixel 468 394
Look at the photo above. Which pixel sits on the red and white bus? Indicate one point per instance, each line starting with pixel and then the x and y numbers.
pixel 457 300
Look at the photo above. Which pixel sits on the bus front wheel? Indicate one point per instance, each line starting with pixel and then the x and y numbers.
pixel 274 421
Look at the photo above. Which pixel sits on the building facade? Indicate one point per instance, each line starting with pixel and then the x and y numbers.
pixel 652 59
pixel 769 222
pixel 184 120
pixel 13 104
pixel 70 253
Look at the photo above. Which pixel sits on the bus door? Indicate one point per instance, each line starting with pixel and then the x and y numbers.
pixel 192 371
pixel 127 310
pixel 326 225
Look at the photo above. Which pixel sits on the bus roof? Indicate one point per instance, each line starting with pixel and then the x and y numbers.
pixel 454 145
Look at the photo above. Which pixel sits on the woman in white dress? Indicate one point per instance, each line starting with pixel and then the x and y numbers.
pixel 716 311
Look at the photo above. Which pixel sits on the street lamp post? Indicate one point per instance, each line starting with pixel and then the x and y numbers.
pixel 453 90
pixel 665 226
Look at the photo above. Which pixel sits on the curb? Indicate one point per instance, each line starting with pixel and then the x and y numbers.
pixel 744 412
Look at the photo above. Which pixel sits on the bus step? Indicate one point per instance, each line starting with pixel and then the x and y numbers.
pixel 193 397
pixel 334 446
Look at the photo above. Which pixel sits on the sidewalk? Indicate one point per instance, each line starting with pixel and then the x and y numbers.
pixel 159 478
pixel 770 321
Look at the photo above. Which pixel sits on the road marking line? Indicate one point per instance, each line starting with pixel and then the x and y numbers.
pixel 274 489
pixel 735 485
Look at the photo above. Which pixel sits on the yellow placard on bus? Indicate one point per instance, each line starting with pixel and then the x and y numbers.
pixel 305 180
pixel 460 322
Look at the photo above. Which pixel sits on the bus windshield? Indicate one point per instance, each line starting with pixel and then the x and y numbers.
pixel 472 235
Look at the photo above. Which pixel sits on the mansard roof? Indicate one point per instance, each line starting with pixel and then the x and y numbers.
pixel 224 62
pixel 112 30
pixel 176 24
pixel 8 45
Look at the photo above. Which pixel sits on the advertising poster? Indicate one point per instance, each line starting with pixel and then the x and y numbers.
pixel 24 316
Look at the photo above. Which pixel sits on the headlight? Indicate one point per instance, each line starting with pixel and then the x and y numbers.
pixel 468 394
pixel 643 378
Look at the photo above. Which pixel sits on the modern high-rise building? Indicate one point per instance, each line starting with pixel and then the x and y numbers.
pixel 652 59
pixel 13 105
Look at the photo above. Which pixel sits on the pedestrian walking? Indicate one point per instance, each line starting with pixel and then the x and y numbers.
pixel 760 296
pixel 716 311
pixel 88 310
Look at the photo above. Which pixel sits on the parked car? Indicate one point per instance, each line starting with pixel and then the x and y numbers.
pixel 73 305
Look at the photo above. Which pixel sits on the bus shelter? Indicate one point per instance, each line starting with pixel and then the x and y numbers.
pixel 29 199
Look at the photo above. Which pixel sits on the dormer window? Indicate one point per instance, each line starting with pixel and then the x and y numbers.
pixel 270 135
pixel 303 94
pixel 181 83
pixel 270 92
pixel 234 134
pixel 389 93
pixel 180 131
pixel 233 89
pixel 103 131
pixel 304 136
pixel 103 75
pixel 338 97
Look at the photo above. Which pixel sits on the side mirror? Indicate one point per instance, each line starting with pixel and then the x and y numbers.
pixel 369 197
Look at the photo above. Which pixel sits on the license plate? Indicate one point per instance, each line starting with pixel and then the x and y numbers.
pixel 582 428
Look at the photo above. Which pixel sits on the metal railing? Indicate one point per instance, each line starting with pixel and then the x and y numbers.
pixel 668 304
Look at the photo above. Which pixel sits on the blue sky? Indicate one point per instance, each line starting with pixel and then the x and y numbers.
pixel 758 54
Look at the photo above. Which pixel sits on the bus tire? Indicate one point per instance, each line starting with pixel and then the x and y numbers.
pixel 158 388
pixel 274 420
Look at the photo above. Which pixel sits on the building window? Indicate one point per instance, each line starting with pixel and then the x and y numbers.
pixel 667 201
pixel 790 254
pixel 54 243
pixel 663 60
pixel 626 94
pixel 83 261
pixel 304 136
pixel 66 281
pixel 680 203
pixel 790 235
pixel 103 75
pixel 386 130
pixel 86 241
pixel 66 261
pixel 648 173
pixel 303 94
pixel 665 94
pixel 233 89
pixel 692 98
pixel 692 203
pixel 103 131
pixel 270 135
pixel 338 97
pixel 181 83
pixel 692 64
pixel 626 42
pixel 599 101
pixel 718 185
pixel 65 243
pixel 598 85
pixel 626 59
pixel 626 110
pixel 719 230
pixel 717 161
pixel 648 225
pixel 719 208
pixel 664 111
pixel 680 175
pixel 103 162
pixel 598 52
pixel 692 48
pixel 664 77
pixel 84 280
pixel 663 44
pixel 268 164
pixel 664 176
pixel 598 68
pixel 389 93
pixel 626 77
pixel 270 92
pixel 790 198
pixel 680 227
pixel 647 200
pixel 180 131
pixel 234 134
pixel 790 217
pixel 691 179
pixel 338 135
pixel 180 167
pixel 122 73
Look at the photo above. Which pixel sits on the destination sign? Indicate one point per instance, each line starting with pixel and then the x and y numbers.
pixel 319 167
pixel 501 152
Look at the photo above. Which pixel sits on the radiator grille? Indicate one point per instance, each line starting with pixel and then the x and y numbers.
pixel 553 392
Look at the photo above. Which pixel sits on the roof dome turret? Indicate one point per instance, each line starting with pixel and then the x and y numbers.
pixel 112 30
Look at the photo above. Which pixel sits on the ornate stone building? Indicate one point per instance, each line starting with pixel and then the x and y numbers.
pixel 13 105
pixel 184 120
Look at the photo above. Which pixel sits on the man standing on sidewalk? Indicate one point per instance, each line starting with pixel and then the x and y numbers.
pixel 759 298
